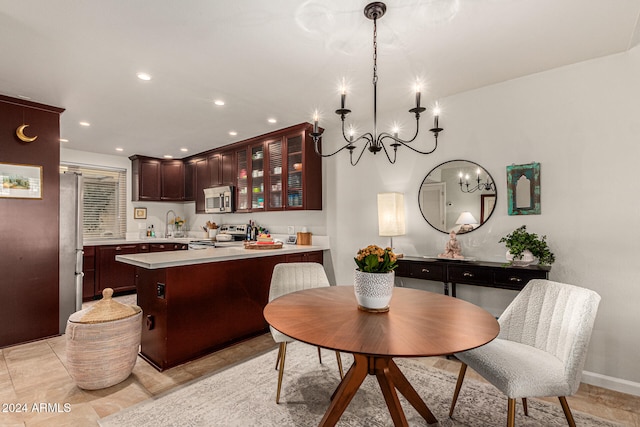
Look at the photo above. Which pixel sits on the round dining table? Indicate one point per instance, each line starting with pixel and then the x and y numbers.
pixel 418 324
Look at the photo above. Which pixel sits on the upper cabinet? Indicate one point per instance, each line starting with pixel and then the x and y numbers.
pixel 172 180
pixel 272 172
pixel 157 180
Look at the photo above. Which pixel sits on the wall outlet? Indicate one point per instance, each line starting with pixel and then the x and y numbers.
pixel 291 230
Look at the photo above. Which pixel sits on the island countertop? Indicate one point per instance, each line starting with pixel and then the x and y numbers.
pixel 156 260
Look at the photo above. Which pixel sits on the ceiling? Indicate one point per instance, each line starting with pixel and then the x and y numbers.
pixel 279 59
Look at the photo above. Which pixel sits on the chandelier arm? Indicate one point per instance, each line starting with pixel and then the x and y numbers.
pixel 384 148
pixel 364 147
pixel 418 151
pixel 328 155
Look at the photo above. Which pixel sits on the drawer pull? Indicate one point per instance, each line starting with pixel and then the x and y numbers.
pixel 467 274
pixel 515 279
pixel 425 270
pixel 118 248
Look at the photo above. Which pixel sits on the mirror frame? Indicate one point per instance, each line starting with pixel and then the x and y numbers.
pixel 483 196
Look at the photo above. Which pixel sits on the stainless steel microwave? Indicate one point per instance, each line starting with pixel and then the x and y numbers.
pixel 218 199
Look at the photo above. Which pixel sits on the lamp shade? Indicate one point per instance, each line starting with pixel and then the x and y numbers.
pixel 466 218
pixel 391 214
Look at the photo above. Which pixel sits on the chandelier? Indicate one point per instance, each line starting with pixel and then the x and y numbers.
pixel 465 187
pixel 375 142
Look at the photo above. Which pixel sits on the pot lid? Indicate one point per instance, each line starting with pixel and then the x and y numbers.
pixel 105 310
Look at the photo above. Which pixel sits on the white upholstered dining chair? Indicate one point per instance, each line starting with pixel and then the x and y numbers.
pixel 287 278
pixel 541 348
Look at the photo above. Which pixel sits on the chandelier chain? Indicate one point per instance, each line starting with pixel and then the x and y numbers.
pixel 375 51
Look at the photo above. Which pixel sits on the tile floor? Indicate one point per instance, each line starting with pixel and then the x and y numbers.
pixel 34 375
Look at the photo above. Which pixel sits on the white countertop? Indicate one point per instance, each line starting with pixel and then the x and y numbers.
pixel 154 260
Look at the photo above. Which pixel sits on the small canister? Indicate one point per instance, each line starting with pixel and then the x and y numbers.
pixel 304 238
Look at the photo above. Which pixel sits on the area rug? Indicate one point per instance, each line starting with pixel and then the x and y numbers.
pixel 244 395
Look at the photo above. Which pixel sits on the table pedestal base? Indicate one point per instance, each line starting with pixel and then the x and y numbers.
pixel 389 377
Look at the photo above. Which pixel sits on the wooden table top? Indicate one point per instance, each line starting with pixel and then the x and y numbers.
pixel 418 323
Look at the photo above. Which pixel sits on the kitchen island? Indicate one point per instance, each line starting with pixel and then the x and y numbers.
pixel 197 301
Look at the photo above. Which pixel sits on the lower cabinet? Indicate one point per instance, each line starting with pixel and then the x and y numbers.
pixel 113 274
pixel 306 257
pixel 89 270
pixel 196 309
pixel 101 270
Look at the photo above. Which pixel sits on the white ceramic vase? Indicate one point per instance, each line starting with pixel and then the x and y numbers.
pixel 373 290
pixel 527 259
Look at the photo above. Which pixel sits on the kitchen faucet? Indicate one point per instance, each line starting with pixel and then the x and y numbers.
pixel 166 222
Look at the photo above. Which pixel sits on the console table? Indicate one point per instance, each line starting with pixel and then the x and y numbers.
pixel 478 273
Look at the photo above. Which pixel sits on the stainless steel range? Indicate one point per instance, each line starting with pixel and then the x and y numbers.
pixel 228 233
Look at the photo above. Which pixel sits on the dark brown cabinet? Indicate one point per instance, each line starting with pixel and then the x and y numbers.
pixel 114 274
pixel 212 170
pixel 276 171
pixel 172 180
pixel 202 181
pixel 89 272
pixel 157 180
pixel 119 276
pixel 145 178
pixel 315 256
pixel 228 168
pixel 164 247
pixel 279 171
pixel 193 310
pixel 478 273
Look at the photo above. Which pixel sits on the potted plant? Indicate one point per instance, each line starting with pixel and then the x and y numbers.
pixel 523 247
pixel 374 278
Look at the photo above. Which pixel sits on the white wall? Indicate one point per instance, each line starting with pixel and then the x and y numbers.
pixel 582 123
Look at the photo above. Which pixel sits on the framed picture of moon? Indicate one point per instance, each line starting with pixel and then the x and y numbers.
pixel 20 181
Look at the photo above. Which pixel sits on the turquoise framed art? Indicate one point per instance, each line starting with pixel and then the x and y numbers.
pixel 523 189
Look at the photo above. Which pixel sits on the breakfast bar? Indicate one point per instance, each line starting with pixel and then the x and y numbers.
pixel 198 301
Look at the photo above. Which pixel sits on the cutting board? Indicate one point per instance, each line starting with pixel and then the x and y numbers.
pixel 254 245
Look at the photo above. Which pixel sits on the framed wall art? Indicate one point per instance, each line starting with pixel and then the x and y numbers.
pixel 20 181
pixel 523 189
pixel 139 213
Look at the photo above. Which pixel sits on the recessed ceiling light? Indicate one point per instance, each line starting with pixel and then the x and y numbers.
pixel 168 156
pixel 144 76
pixel 272 120
pixel 184 150
pixel 219 102
pixel 119 149
pixel 85 124
pixel 64 140
pixel 233 133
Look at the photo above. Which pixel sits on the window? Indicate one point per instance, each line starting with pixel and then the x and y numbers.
pixel 105 200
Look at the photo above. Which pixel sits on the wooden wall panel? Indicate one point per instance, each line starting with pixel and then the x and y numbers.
pixel 29 236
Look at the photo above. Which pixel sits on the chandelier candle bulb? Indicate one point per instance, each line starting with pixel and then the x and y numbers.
pixel 315 122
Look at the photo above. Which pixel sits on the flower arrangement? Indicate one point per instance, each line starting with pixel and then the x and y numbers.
pixel 374 259
pixel 520 240
pixel 178 222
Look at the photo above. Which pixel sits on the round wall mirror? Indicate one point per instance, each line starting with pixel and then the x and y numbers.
pixel 457 195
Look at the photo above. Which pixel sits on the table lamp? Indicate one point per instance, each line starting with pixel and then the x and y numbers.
pixel 391 215
pixel 466 220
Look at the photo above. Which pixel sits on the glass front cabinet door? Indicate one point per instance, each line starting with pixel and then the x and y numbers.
pixel 242 188
pixel 274 183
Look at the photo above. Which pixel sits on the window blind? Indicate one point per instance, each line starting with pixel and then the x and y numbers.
pixel 105 204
